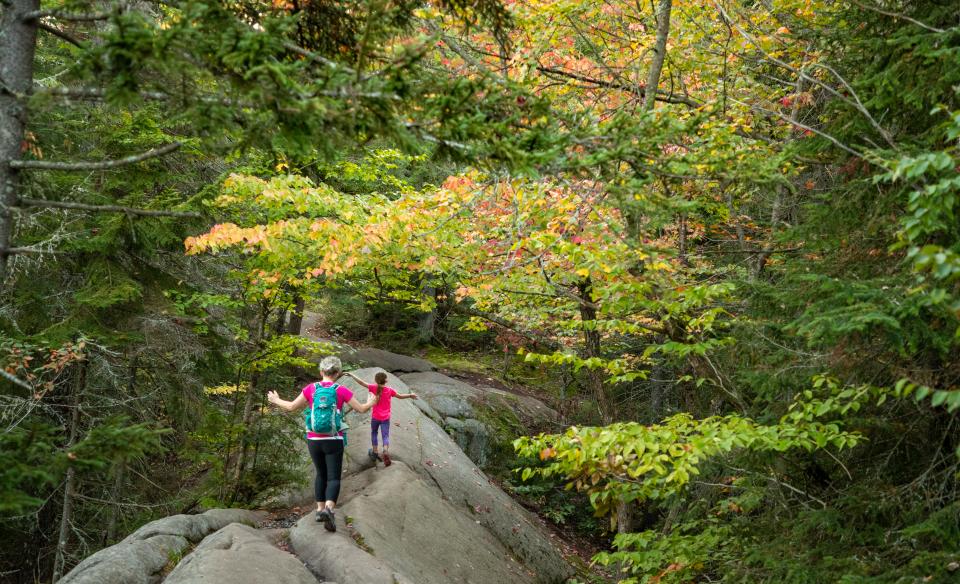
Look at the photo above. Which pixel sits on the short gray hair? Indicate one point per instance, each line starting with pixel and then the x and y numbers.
pixel 330 366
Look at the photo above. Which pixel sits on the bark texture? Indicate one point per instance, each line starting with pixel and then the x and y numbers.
pixel 659 53
pixel 18 41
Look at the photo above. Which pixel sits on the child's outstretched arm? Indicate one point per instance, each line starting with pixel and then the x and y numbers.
pixel 410 395
pixel 357 379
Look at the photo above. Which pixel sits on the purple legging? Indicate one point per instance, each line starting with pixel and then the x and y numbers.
pixel 384 426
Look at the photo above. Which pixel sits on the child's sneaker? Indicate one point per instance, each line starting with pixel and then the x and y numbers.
pixel 373 455
pixel 331 524
pixel 386 459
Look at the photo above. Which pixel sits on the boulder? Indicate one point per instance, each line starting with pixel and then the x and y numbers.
pixel 450 397
pixel 472 437
pixel 337 556
pixel 431 453
pixel 482 420
pixel 238 554
pixel 404 521
pixel 454 398
pixel 142 555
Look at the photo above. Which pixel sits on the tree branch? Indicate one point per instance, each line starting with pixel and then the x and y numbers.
pixel 107 208
pixel 24 250
pixel 15 380
pixel 93 93
pixel 102 165
pixel 58 33
pixel 461 309
pixel 60 15
pixel 639 91
pixel 897 15
pixel 294 48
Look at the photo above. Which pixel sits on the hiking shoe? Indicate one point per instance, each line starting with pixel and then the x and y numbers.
pixel 322 516
pixel 386 459
pixel 331 523
pixel 373 455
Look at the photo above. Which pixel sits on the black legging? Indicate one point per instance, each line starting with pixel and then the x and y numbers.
pixel 327 458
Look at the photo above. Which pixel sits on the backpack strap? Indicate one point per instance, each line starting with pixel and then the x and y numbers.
pixel 313 401
pixel 335 387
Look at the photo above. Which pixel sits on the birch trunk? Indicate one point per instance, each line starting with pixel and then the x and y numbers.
pixel 659 53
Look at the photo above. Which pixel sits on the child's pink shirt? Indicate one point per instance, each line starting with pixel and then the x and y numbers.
pixel 381 411
pixel 343 396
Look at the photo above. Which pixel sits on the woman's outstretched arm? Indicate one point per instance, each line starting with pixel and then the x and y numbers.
pixel 362 407
pixel 290 406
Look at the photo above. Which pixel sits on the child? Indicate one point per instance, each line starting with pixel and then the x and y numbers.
pixel 380 415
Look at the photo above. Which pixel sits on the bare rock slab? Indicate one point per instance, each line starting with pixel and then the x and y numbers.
pixel 404 521
pixel 431 453
pixel 238 554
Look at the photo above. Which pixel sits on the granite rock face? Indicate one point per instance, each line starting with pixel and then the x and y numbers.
pixel 429 452
pixel 238 554
pixel 144 554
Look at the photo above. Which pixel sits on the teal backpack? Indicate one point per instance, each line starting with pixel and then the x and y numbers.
pixel 322 416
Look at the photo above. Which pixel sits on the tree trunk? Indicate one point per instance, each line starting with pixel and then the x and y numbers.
pixel 248 407
pixel 18 41
pixel 595 383
pixel 427 320
pixel 735 217
pixel 683 239
pixel 296 316
pixel 591 349
pixel 659 53
pixel 767 250
pixel 111 531
pixel 69 487
pixel 250 401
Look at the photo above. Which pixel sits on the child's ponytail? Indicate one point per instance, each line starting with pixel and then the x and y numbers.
pixel 381 381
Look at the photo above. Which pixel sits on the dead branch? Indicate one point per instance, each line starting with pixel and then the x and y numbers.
pixel 107 208
pixel 102 165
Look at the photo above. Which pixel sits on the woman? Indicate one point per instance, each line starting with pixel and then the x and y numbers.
pixel 326 450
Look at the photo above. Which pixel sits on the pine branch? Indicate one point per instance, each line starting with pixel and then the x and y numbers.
pixel 102 165
pixel 107 208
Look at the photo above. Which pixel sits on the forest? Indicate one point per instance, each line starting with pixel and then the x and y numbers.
pixel 719 237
